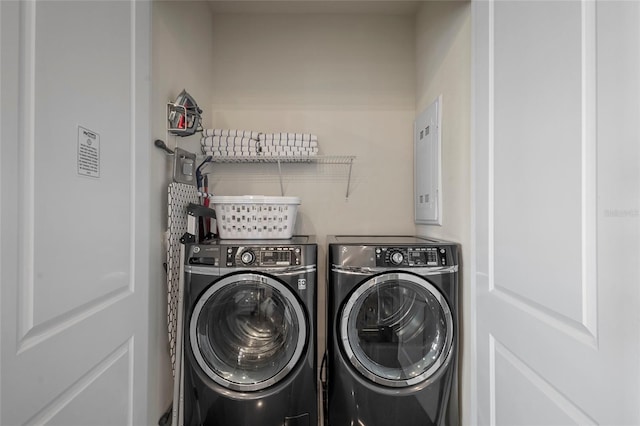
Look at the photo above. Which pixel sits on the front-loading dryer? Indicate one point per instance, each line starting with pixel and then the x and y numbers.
pixel 249 333
pixel 392 331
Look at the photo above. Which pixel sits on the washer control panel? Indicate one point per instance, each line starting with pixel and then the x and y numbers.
pixel 258 256
pixel 411 256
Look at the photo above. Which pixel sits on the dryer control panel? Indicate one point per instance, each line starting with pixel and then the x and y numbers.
pixel 268 256
pixel 411 256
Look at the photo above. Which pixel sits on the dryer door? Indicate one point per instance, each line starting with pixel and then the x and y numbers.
pixel 247 331
pixel 397 329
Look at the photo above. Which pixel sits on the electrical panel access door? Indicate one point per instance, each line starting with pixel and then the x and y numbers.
pixel 427 165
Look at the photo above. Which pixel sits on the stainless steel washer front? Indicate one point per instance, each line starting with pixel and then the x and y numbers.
pixel 397 329
pixel 393 331
pixel 248 331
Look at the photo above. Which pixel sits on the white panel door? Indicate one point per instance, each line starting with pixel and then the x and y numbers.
pixel 74 267
pixel 556 220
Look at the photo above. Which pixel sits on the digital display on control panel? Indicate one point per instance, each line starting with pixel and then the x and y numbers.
pixel 275 258
pixel 416 258
pixel 410 256
pixel 432 256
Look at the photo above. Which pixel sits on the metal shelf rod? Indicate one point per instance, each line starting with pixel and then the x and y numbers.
pixel 280 176
pixel 349 178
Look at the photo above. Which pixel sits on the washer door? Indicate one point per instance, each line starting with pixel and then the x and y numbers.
pixel 397 329
pixel 247 331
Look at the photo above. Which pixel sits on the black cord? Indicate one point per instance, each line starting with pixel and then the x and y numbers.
pixel 206 161
pixel 323 385
pixel 165 419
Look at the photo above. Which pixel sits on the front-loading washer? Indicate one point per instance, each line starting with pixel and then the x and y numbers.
pixel 392 331
pixel 249 333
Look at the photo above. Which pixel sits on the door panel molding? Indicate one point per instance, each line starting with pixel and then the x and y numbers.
pixel 26 154
pixel 44 331
pixel 30 331
pixel 134 151
pixel 570 327
pixel 585 329
pixel 589 170
pixel 498 350
pixel 48 412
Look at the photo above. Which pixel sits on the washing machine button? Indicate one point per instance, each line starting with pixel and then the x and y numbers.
pixel 247 257
pixel 443 257
pixel 397 258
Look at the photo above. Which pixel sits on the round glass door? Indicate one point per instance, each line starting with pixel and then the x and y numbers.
pixel 247 331
pixel 397 329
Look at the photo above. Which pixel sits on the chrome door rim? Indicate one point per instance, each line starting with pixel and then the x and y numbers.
pixel 235 279
pixel 442 360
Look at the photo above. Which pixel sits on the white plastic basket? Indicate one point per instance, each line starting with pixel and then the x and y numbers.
pixel 255 216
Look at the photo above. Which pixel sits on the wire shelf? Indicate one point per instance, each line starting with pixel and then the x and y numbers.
pixel 317 159
pixel 279 160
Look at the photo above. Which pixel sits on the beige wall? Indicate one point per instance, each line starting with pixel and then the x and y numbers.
pixel 443 52
pixel 181 59
pixel 350 79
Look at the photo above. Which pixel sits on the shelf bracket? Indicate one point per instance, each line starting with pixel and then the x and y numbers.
pixel 280 175
pixel 349 178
